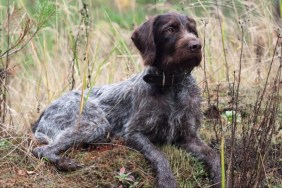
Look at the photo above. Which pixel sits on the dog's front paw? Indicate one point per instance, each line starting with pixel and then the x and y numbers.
pixel 165 181
pixel 64 164
pixel 40 152
pixel 215 172
pixel 216 179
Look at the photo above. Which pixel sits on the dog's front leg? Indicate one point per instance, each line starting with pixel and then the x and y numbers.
pixel 165 178
pixel 202 151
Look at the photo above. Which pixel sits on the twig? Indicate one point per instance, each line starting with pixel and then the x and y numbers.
pixel 5 80
pixel 85 20
pixel 224 49
pixel 234 116
pixel 8 52
pixel 74 53
pixel 259 101
pixel 205 72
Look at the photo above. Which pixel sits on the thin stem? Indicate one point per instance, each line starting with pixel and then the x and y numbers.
pixel 5 89
pixel 258 105
pixel 205 72
pixel 223 46
pixel 234 116
pixel 9 51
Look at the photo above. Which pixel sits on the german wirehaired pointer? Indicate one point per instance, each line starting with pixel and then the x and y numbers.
pixel 160 105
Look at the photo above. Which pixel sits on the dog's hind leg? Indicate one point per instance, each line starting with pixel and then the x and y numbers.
pixel 84 132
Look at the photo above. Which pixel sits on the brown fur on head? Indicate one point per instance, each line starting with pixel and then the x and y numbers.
pixel 143 38
pixel 169 42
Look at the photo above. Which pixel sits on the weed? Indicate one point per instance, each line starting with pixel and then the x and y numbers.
pixel 126 179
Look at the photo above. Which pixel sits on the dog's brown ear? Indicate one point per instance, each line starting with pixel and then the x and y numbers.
pixel 143 38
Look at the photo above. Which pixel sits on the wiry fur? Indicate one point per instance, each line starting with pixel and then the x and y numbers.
pixel 143 113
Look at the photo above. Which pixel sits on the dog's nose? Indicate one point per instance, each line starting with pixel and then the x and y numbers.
pixel 195 45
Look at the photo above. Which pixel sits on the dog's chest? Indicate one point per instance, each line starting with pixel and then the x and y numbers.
pixel 167 118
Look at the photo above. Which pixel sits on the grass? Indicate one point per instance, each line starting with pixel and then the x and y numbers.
pixel 71 49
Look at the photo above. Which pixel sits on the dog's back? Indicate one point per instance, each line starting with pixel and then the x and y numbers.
pixel 111 102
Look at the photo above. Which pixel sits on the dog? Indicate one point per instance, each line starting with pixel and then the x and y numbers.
pixel 159 106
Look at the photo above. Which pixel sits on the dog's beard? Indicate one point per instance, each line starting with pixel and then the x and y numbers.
pixel 180 62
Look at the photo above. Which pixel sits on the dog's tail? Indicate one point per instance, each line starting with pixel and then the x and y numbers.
pixel 42 138
pixel 35 124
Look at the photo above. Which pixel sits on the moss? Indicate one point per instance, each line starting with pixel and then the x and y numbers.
pixel 187 169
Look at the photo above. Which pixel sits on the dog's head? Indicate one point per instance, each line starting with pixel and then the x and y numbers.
pixel 169 42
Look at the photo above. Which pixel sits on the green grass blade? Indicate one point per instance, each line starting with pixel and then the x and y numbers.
pixel 222 164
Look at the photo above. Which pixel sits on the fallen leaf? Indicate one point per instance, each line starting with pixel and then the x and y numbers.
pixel 30 172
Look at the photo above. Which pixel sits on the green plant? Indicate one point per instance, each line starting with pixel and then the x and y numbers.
pixel 126 178
pixel 222 158
pixel 4 143
pixel 44 11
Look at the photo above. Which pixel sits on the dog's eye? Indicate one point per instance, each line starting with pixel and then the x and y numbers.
pixel 169 30
pixel 193 30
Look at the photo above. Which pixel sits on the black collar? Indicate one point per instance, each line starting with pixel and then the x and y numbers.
pixel 158 77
